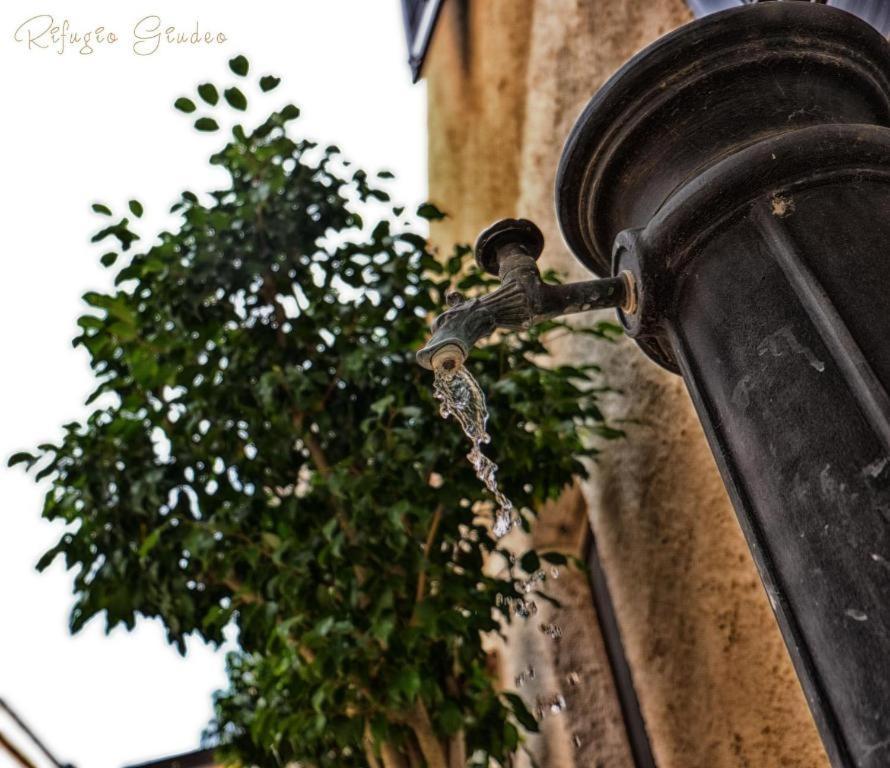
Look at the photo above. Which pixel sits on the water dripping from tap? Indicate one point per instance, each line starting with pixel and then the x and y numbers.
pixel 461 397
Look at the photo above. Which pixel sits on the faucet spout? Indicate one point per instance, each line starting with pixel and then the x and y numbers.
pixel 510 249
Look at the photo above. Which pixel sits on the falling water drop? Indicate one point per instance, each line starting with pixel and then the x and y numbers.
pixel 523 677
pixel 553 631
pixel 530 584
pixel 502 523
pixel 524 608
pixel 549 705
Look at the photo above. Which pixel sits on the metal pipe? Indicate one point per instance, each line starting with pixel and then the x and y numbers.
pixel 509 249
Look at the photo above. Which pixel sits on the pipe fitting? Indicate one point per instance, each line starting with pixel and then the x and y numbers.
pixel 510 249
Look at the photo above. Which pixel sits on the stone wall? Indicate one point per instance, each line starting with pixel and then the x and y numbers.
pixel 506 79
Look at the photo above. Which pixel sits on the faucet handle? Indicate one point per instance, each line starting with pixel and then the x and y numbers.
pixel 506 232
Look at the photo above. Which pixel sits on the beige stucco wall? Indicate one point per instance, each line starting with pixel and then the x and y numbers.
pixel 506 79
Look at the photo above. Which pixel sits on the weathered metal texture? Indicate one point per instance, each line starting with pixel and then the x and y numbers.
pixel 740 169
pixel 875 12
pixel 508 249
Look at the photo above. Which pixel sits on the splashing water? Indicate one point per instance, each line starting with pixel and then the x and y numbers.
pixel 553 631
pixel 531 583
pixel 462 398
pixel 522 608
pixel 549 705
pixel 523 677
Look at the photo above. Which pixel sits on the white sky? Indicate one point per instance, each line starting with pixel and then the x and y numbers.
pixel 78 128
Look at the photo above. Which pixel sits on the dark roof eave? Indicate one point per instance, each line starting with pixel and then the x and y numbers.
pixel 419 28
pixel 199 758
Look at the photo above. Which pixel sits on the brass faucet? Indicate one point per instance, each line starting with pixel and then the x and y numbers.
pixel 509 249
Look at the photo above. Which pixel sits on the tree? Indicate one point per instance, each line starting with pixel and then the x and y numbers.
pixel 264 452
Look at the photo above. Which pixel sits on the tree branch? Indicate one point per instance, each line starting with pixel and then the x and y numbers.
pixel 316 452
pixel 414 758
pixel 239 593
pixel 457 750
pixel 368 743
pixel 392 758
pixel 427 548
pixel 457 742
pixel 419 720
pixel 320 460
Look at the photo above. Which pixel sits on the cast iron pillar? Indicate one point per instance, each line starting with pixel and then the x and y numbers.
pixel 739 170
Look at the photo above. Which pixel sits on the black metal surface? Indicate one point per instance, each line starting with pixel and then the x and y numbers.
pixel 509 249
pixel 740 170
pixel 702 92
pixel 520 232
pixel 875 12
pixel 419 17
pixel 200 758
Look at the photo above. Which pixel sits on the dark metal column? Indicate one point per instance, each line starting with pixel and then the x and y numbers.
pixel 739 170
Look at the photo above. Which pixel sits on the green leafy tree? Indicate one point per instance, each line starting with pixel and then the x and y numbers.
pixel 264 452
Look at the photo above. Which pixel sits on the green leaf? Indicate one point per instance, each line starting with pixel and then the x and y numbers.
pixel 268 82
pixel 329 527
pixel 430 212
pixel 150 541
pixel 520 711
pixel 46 559
pixel 381 629
pixel 208 92
pixel 21 458
pixel 380 406
pixel 236 99
pixel 107 259
pixel 184 105
pixel 408 683
pixel 90 321
pixel 450 716
pixel 290 112
pixel 323 627
pixel 136 208
pixel 239 65
pixel 206 124
pixel 100 208
pixel 123 331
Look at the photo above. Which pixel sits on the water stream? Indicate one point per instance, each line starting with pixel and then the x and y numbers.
pixel 462 398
